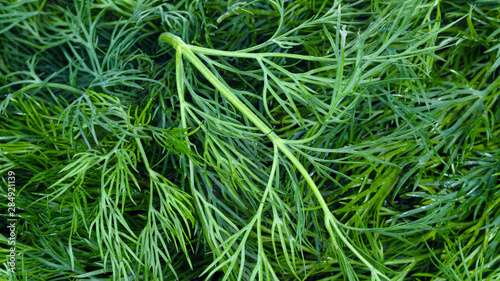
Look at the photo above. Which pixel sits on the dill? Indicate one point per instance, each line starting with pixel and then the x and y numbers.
pixel 259 140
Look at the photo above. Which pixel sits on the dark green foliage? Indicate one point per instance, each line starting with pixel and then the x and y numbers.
pixel 263 140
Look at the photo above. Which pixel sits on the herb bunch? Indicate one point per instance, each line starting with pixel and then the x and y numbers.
pixel 263 140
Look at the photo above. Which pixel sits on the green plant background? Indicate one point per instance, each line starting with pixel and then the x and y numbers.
pixel 262 140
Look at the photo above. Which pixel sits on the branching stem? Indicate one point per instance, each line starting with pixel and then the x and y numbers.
pixel 187 50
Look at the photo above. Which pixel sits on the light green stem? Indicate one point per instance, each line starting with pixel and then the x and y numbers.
pixel 36 84
pixel 330 220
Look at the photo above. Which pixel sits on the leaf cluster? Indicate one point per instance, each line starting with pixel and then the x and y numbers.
pixel 263 140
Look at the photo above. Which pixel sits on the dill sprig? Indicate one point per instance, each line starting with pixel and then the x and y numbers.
pixel 259 140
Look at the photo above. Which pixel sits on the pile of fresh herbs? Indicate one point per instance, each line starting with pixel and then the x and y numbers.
pixel 262 140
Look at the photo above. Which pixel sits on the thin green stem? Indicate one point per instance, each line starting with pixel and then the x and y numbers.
pixel 50 85
pixel 206 51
